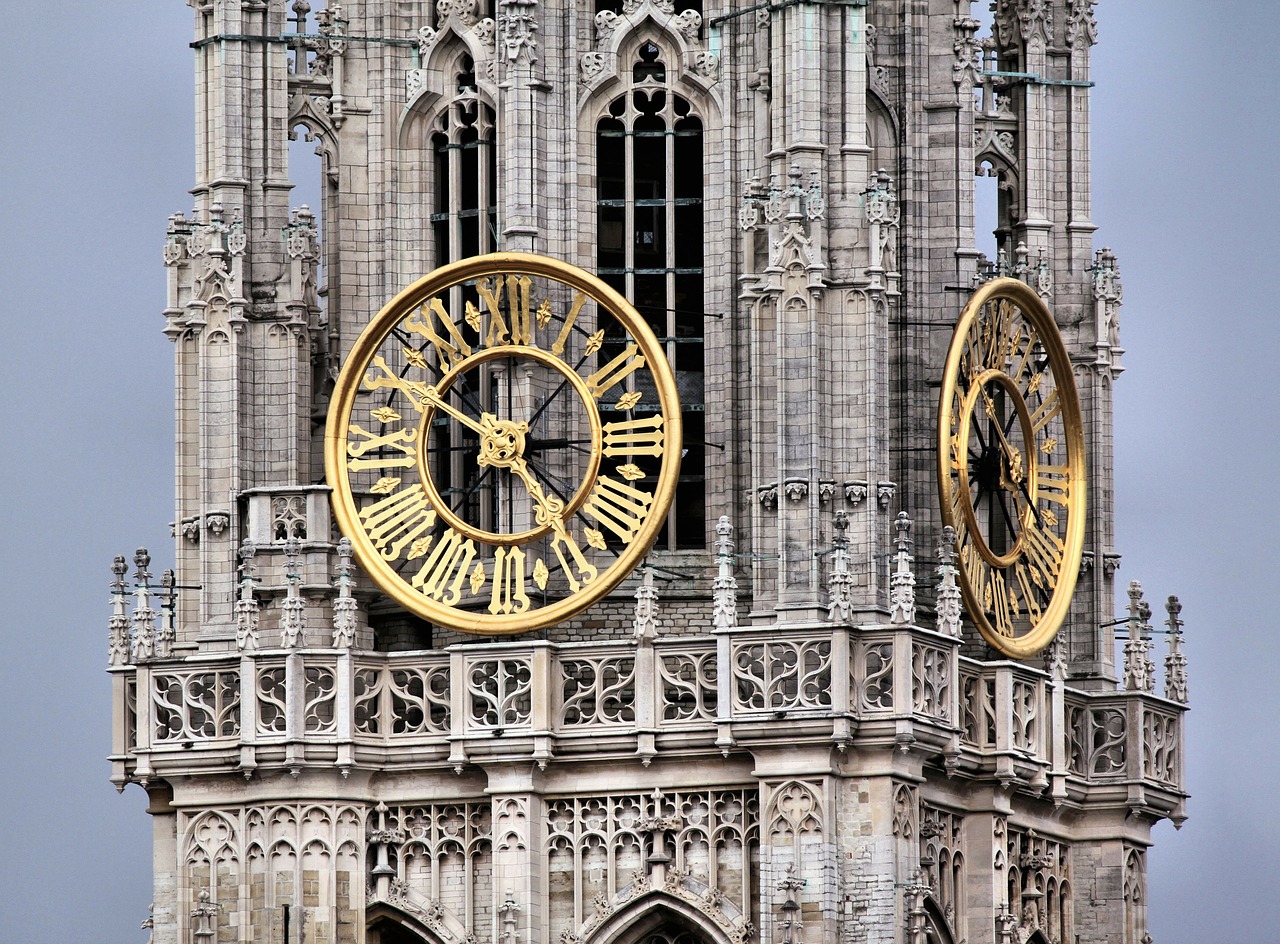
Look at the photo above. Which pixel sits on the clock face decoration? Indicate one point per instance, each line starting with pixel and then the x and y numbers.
pixel 503 443
pixel 1011 466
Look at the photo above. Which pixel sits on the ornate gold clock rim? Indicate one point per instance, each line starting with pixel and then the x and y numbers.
pixel 1041 320
pixel 343 400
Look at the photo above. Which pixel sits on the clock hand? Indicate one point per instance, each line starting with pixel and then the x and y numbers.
pixel 433 396
pixel 1011 453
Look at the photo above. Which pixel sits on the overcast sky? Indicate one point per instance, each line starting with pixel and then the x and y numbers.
pixel 95 153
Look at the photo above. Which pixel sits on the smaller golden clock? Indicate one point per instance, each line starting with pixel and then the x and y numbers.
pixel 503 443
pixel 1011 466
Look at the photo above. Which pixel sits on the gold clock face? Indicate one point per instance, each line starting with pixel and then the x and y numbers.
pixel 503 443
pixel 1011 466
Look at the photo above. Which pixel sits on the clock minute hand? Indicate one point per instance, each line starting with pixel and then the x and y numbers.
pixel 433 396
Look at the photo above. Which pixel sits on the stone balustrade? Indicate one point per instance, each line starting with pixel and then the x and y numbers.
pixel 888 687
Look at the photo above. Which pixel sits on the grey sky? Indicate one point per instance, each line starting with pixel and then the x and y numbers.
pixel 95 152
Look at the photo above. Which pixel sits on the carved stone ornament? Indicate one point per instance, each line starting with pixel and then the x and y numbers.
pixel 768 496
pixel 855 492
pixel 217 521
pixel 885 492
pixel 796 489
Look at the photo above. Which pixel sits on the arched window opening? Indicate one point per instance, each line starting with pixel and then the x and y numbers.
pixel 986 211
pixel 465 194
pixel 386 931
pixel 649 220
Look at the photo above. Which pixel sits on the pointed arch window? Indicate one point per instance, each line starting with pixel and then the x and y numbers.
pixel 465 217
pixel 649 226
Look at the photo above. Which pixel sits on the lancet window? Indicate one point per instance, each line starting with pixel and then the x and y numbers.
pixel 649 216
pixel 465 208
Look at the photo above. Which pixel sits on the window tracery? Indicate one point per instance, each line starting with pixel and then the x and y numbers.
pixel 649 215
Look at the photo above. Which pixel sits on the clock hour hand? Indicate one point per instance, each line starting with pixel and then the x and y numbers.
pixel 432 396
pixel 1011 452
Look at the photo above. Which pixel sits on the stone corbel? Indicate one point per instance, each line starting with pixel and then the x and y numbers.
pixel 217 521
pixel 826 491
pixel 191 529
pixel 1110 564
pixel 796 489
pixel 855 491
pixel 768 496
pixel 885 492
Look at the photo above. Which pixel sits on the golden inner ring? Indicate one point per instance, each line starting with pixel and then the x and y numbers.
pixel 1018 467
pixel 502 444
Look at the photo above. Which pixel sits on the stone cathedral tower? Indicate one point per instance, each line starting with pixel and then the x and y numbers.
pixel 780 729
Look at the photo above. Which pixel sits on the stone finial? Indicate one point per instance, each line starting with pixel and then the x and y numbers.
pixel 247 604
pixel 118 624
pixel 724 590
pixel 645 624
pixel 344 604
pixel 1175 663
pixel 948 593
pixel 1055 659
pixel 203 918
pixel 168 631
pixel 840 581
pixel 1139 670
pixel 144 639
pixel 902 584
pixel 291 609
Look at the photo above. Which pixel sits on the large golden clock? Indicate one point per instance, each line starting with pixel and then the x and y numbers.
pixel 1011 466
pixel 503 443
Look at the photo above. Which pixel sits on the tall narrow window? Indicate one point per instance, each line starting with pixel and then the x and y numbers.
pixel 649 247
pixel 466 213
pixel 464 224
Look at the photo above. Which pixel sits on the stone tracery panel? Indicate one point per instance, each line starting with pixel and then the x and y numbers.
pixel 598 849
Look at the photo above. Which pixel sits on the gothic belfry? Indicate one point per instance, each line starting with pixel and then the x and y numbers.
pixel 805 712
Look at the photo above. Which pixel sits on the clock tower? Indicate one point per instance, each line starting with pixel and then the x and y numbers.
pixel 625 506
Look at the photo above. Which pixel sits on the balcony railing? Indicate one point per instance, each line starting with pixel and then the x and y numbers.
pixel 898 688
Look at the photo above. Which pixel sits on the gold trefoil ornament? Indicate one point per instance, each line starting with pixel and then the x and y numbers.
pixel 1011 467
pixel 503 443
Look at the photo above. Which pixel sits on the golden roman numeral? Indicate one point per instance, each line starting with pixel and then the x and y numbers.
pixel 389 379
pixel 442 576
pixel 399 520
pixel 974 568
pixel 999 606
pixel 1053 483
pixel 401 439
pixel 1029 598
pixel 508 582
pixel 634 437
pixel 566 547
pixel 521 329
pixel 616 371
pixel 419 322
pixel 619 507
pixel 1044 550
pixel 1046 411
pixel 578 301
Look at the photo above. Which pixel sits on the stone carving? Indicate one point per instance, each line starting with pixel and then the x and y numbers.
pixel 517 25
pixel 118 625
pixel 948 592
pixel 217 522
pixel 1175 663
pixel 291 609
pixel 143 615
pixel 1139 669
pixel 247 604
pixel 724 589
pixel 840 582
pixel 885 492
pixel 592 66
pixel 796 489
pixel 1082 27
pixel 645 623
pixel 344 604
pixel 768 496
pixel 855 492
pixel 902 589
pixel 968 51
